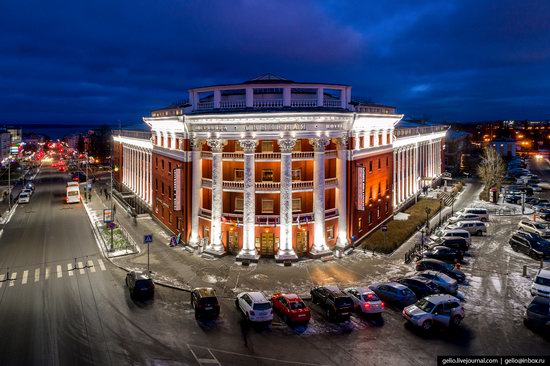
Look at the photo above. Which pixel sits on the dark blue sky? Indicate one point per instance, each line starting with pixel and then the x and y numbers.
pixel 100 61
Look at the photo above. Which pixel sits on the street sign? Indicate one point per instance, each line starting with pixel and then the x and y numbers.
pixel 147 238
pixel 111 225
pixel 384 227
pixel 107 215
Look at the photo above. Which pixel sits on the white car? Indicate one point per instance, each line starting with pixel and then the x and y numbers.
pixel 28 191
pixel 473 227
pixel 534 227
pixel 541 284
pixel 441 280
pixel 463 217
pixel 255 307
pixel 448 233
pixel 24 198
pixel 365 299
pixel 435 309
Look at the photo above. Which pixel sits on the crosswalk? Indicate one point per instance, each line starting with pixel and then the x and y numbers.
pixel 57 271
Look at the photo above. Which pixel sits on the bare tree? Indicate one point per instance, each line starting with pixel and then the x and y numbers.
pixel 492 168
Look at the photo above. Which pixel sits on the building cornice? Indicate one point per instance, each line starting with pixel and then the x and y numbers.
pixel 143 144
pixel 183 156
pixel 409 140
pixel 371 151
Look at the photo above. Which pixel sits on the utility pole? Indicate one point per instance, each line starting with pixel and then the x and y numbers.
pixel 9 182
pixel 87 181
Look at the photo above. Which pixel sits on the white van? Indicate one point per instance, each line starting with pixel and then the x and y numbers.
pixel 457 233
pixel 24 198
pixel 541 284
pixel 473 227
pixel 482 213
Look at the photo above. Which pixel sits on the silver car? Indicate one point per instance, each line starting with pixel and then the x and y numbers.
pixel 435 309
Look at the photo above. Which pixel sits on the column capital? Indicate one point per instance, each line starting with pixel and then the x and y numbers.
pixel 342 142
pixel 216 145
pixel 286 144
pixel 319 143
pixel 196 144
pixel 248 145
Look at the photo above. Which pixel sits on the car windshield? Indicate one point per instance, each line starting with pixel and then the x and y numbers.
pixel 425 305
pixel 143 283
pixel 343 301
pixel 406 292
pixel 540 226
pixel 542 309
pixel 23 195
pixel 447 266
pixel 208 301
pixel 262 306
pixel 370 297
pixel 296 305
pixel 542 281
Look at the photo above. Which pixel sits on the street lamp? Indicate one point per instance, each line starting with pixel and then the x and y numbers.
pixel 428 211
pixel 440 210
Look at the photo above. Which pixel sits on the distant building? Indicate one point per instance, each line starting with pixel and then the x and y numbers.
pixel 5 144
pixel 506 147
pixel 456 146
pixel 16 134
pixel 71 141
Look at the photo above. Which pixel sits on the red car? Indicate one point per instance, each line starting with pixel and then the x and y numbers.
pixel 291 308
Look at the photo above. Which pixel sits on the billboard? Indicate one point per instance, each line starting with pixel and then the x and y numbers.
pixel 361 176
pixel 177 189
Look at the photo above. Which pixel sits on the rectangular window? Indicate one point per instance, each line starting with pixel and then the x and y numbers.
pixel 162 187
pixel 380 142
pixel 370 193
pixel 156 184
pixel 169 167
pixel 238 146
pixel 378 212
pixel 296 204
pixel 239 175
pixel 379 164
pixel 156 162
pixel 370 166
pixel 361 142
pixel 298 146
pixel 371 144
pixel 170 216
pixel 267 175
pixel 267 206
pixel 162 163
pixel 330 232
pixel 178 223
pixel 387 206
pixel 387 161
pixel 388 138
pixel 177 144
pixel 360 223
pixel 379 189
pixel 370 218
pixel 239 204
pixel 267 146
pixel 296 174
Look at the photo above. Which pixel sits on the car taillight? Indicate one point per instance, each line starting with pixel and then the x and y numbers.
pixel 367 306
pixel 382 304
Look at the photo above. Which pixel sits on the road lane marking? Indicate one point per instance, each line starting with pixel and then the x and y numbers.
pixel 81 267
pixel 101 265
pixel 25 275
pixel 47 274
pixel 70 269
pixel 12 278
pixel 37 275
pixel 2 277
pixel 91 266
pixel 201 360
pixel 59 271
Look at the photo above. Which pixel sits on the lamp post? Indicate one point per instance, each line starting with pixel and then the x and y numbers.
pixel 440 211
pixel 9 182
pixel 428 211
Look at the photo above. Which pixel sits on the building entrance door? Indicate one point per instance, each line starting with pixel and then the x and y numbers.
pixel 267 244
pixel 233 241
pixel 301 243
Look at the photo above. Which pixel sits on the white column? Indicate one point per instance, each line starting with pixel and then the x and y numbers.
pixel 216 245
pixel 150 169
pixel 394 187
pixel 319 240
pixel 124 164
pixel 407 171
pixel 398 174
pixel 286 251
pixel 341 192
pixel 196 175
pixel 139 172
pixel 320 97
pixel 401 176
pixel 286 96
pixel 132 169
pixel 249 200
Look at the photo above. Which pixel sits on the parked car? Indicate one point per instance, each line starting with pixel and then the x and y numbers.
pixel 255 307
pixel 443 253
pixel 24 198
pixel 140 284
pixel 394 292
pixel 481 212
pixel 537 313
pixel 205 303
pixel 456 243
pixel 535 187
pixel 444 283
pixel 534 227
pixel 420 286
pixel 365 300
pixel 337 304
pixel 28 191
pixel 530 244
pixel 443 310
pixel 30 186
pixel 532 200
pixel 463 217
pixel 428 264
pixel 512 198
pixel 448 233
pixel 541 283
pixel 291 308
pixel 473 227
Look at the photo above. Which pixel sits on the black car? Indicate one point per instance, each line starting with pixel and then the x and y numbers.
pixel 428 264
pixel 456 243
pixel 537 313
pixel 337 304
pixel 532 200
pixel 445 254
pixel 530 244
pixel 140 284
pixel 512 199
pixel 420 286
pixel 205 302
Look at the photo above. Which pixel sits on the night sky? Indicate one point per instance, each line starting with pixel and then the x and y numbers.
pixel 101 61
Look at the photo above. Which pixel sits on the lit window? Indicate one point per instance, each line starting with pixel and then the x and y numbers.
pixel 296 174
pixel 296 204
pixel 267 206
pixel 267 175
pixel 239 204
pixel 267 146
pixel 360 224
pixel 298 146
pixel 239 175
pixel 330 232
pixel 370 218
pixel 378 212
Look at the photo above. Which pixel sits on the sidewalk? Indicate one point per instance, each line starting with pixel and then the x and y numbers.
pixel 181 268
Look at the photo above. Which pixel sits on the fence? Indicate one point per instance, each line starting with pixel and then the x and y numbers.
pixel 416 250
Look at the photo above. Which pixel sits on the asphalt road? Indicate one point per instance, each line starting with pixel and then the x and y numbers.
pixel 86 317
